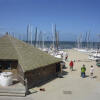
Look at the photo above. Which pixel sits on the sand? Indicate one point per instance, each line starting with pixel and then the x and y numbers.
pixel 71 86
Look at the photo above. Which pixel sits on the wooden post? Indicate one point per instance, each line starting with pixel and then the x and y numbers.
pixel 26 87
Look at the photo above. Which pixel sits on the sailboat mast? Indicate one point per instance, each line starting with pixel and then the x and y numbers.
pixel 28 32
pixel 35 37
pixel 88 37
pixel 53 35
pixel 56 38
pixel 85 40
pixel 43 41
pixel 31 34
pixel 40 39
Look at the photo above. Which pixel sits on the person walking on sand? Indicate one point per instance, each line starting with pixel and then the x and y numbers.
pixel 83 69
pixel 91 71
pixel 71 64
pixel 66 58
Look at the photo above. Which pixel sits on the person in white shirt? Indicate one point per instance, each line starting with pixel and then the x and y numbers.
pixel 91 71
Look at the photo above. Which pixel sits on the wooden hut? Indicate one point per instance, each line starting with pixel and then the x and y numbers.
pixel 29 64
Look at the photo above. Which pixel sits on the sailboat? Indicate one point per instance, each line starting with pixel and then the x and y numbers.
pixel 94 55
pixel 54 49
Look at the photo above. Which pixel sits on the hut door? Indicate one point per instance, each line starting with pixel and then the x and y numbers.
pixel 57 67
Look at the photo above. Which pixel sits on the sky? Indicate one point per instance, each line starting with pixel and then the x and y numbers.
pixel 72 17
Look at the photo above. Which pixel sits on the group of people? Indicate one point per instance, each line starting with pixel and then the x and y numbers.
pixel 83 69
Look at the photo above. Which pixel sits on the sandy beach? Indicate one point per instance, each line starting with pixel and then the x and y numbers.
pixel 71 86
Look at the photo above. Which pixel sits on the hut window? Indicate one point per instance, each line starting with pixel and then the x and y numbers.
pixel 5 65
pixel 0 66
pixel 8 66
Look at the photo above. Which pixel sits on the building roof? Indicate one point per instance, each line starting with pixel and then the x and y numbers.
pixel 27 55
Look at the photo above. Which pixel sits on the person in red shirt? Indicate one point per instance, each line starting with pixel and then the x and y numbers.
pixel 71 64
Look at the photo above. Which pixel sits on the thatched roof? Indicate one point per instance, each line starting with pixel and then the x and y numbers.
pixel 28 56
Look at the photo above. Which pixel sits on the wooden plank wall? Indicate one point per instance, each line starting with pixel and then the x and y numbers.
pixel 40 75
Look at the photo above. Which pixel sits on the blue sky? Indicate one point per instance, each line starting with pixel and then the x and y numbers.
pixel 72 17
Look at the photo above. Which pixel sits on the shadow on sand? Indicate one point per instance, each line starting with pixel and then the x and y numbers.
pixel 86 76
pixel 64 73
pixel 15 82
pixel 94 76
pixel 90 76
pixel 61 75
pixel 74 70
